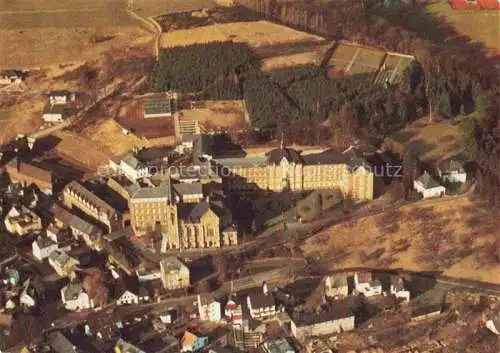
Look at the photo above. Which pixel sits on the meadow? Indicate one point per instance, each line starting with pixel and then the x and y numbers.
pixel 149 8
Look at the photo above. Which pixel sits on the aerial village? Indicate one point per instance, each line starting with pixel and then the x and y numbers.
pixel 203 244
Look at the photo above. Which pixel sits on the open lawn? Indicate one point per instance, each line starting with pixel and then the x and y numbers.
pixel 256 33
pixel 433 140
pixel 149 8
pixel 479 26
pixel 216 114
pixel 456 236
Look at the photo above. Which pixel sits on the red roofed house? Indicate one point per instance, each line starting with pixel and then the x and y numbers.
pixel 475 4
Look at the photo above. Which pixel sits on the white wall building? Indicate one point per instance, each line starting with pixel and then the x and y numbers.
pixel 74 297
pixel 365 284
pixel 209 309
pixel 452 172
pixel 398 288
pixel 42 247
pixel 336 286
pixel 428 187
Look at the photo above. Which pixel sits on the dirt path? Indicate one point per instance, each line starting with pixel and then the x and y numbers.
pixel 150 23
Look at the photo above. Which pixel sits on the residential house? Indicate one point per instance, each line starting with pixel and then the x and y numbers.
pixel 398 288
pixel 336 286
pixel 77 195
pixel 451 171
pixel 62 263
pixel 59 343
pixel 42 247
pixel 280 345
pixel 428 186
pixel 132 296
pixel 74 298
pixel 61 97
pixel 423 312
pixel 209 308
pixel 365 284
pixel 8 77
pixel 193 342
pixel 230 309
pixel 131 167
pixel 59 236
pixel 22 221
pixel 174 273
pixel 338 317
pixel 29 174
pixel 261 304
pixel 150 272
pixel 55 113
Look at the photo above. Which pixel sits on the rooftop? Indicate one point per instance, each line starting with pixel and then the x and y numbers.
pixel 30 170
pixel 339 309
pixel 171 263
pixel 427 181
pixel 73 221
pixel 90 197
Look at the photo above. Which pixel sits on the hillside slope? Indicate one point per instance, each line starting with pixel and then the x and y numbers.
pixel 456 236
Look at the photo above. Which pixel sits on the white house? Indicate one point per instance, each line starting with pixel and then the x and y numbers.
pixel 428 187
pixel 336 286
pixel 148 274
pixel 131 167
pixel 28 295
pixel 43 247
pixel 62 263
pixel 261 304
pixel 130 296
pixel 398 288
pixel 209 308
pixel 452 172
pixel 61 97
pixel 21 220
pixel 365 283
pixel 74 297
pixel 337 318
pixel 54 113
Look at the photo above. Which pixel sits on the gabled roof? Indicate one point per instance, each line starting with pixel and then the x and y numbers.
pixel 188 189
pixel 75 222
pixel 132 161
pixel 326 157
pixel 155 192
pixel 72 291
pixel 171 263
pixel 29 170
pixel 427 181
pixel 188 338
pixel 275 156
pixel 193 212
pixel 260 300
pixel 90 197
pixel 339 309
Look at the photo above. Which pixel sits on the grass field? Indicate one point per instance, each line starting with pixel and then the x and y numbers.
pixel 216 114
pixel 256 33
pixel 479 26
pixel 456 236
pixel 434 141
pixel 158 7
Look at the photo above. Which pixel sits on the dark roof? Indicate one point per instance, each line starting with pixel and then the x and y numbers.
pixel 427 181
pixel 326 157
pixel 30 170
pixel 188 188
pixel 73 221
pixel 60 344
pixel 193 212
pixel 92 198
pixel 261 300
pixel 157 106
pixel 427 309
pixel 335 311
pixel 218 349
pixel 59 93
pixel 55 109
pixel 398 283
pixel 202 145
pixel 275 156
